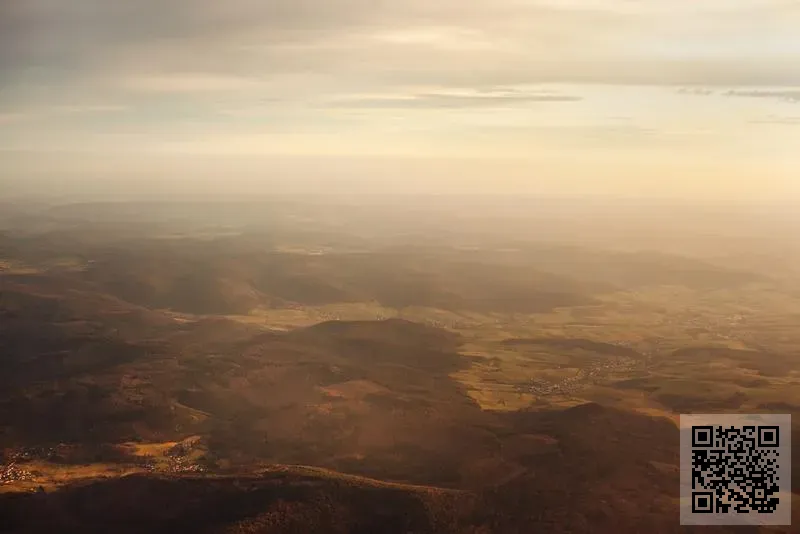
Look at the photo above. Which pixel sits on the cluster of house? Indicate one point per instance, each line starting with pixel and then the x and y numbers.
pixel 10 473
pixel 26 454
pixel 176 465
pixel 571 384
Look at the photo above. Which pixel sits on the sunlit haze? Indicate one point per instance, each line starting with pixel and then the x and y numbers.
pixel 686 100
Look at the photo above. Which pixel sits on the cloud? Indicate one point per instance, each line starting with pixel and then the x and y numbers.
pixel 445 100
pixel 702 91
pixel 442 38
pixel 351 71
pixel 187 83
pixel 785 95
pixel 788 94
pixel 32 113
pixel 379 43
pixel 86 108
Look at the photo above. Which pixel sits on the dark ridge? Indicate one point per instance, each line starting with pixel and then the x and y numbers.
pixel 394 331
pixel 280 502
pixel 643 384
pixel 779 407
pixel 710 353
pixel 765 363
pixel 589 409
pixel 575 343
pixel 700 404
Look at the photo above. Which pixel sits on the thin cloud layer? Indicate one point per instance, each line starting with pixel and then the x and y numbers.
pixel 540 79
pixel 445 42
pixel 452 100
pixel 788 96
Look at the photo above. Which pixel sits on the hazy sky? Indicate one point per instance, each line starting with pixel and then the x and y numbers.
pixel 660 97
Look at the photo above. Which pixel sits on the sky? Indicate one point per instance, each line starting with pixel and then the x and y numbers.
pixel 693 100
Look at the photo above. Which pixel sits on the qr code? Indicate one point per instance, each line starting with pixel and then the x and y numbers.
pixel 735 469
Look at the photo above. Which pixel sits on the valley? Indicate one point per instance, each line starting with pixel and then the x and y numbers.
pixel 275 373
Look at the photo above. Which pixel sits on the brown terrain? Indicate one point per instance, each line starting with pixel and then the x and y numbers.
pixel 163 376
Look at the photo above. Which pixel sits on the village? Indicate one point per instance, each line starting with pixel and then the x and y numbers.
pixel 581 379
pixel 11 473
